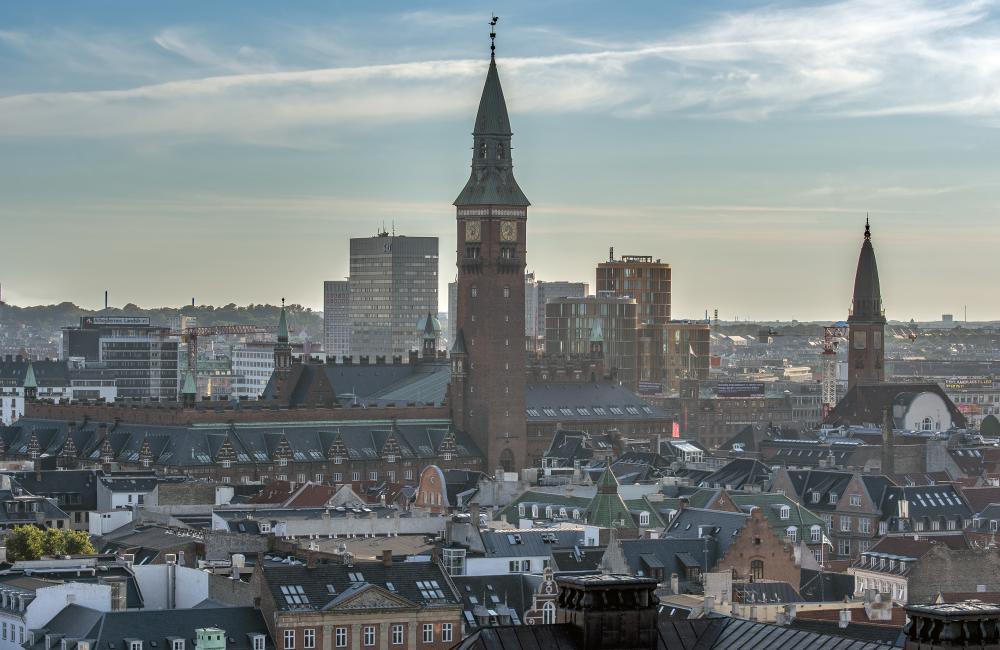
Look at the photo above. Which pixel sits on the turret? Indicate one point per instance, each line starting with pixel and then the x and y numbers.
pixel 866 353
pixel 282 349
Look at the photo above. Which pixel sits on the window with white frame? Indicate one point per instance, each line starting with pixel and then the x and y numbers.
pixel 289 639
pixel 865 524
pixel 428 633
pixel 309 638
pixel 845 523
pixel 446 632
pixel 855 499
pixel 549 613
pixel 132 645
pixel 340 637
pixel 815 534
pixel 833 498
pixel 177 644
pixel 643 518
pixel 369 636
pixel 355 476
pixel 784 512
pixel 397 634
pixel 791 533
pixel 258 642
pixel 373 476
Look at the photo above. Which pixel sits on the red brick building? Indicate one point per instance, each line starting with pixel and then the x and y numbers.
pixel 488 358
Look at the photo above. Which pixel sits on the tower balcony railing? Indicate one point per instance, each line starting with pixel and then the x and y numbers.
pixel 509 263
pixel 472 263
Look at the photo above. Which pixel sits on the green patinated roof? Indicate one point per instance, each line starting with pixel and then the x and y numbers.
pixel 798 516
pixel 492 179
pixel 29 377
pixel 459 346
pixel 492 118
pixel 189 388
pixel 607 509
pixel 282 325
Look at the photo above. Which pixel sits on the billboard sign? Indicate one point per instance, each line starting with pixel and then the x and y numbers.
pixel 650 387
pixel 90 321
pixel 739 389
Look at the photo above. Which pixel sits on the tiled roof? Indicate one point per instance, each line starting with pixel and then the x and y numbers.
pixel 574 401
pixel 311 589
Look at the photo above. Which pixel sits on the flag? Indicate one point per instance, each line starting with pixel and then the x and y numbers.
pixel 827 542
pixel 691 350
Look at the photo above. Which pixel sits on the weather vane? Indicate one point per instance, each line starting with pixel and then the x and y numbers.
pixel 493 35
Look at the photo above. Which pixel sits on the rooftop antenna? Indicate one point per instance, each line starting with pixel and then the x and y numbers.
pixel 105 300
pixel 611 254
pixel 493 35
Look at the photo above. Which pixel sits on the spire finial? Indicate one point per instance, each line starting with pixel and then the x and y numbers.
pixel 493 35
pixel 868 229
pixel 282 303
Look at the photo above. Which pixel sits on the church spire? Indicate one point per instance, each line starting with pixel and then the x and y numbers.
pixel 492 179
pixel 282 325
pixel 867 302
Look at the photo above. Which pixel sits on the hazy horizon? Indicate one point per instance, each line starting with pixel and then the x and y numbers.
pixel 229 151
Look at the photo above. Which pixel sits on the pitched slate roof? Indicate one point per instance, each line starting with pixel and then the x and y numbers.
pixel 72 489
pixel 866 403
pixel 110 630
pixel 20 372
pixel 180 446
pixel 926 502
pixel 825 586
pixel 695 523
pixel 738 474
pixel 513 590
pixel 576 401
pixel 372 384
pixel 422 583
pixel 528 543
pixel 770 504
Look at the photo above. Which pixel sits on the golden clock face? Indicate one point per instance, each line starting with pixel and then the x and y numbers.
pixel 472 231
pixel 508 231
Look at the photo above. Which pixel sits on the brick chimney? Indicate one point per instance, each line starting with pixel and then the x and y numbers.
pixel 970 624
pixel 386 557
pixel 609 611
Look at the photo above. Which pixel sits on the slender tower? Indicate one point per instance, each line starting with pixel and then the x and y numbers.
pixel 282 349
pixel 866 355
pixel 492 212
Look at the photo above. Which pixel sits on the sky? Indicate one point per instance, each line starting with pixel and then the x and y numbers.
pixel 227 151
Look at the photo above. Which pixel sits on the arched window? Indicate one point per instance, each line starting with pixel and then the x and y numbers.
pixel 643 518
pixel 549 613
pixel 500 151
pixel 507 460
pixel 756 569
pixel 791 533
pixel 482 150
pixel 927 424
pixel 784 512
pixel 815 534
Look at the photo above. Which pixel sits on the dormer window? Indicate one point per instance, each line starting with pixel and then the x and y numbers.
pixel 833 498
pixel 177 644
pixel 135 645
pixel 282 462
pixel 258 642
pixel 784 512
pixel 644 518
pixel 390 458
pixel 815 497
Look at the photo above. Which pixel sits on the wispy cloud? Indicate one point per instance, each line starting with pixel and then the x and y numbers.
pixel 850 58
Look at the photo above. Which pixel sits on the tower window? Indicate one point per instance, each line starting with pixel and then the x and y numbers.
pixel 500 151
pixel 482 150
pixel 506 292
pixel 475 292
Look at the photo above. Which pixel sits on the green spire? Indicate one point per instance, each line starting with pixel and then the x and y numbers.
pixel 282 325
pixel 190 387
pixel 29 377
pixel 607 509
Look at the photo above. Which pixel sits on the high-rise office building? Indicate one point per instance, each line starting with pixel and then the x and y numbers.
pixel 393 283
pixel 141 357
pixel 337 318
pixel 642 278
pixel 572 323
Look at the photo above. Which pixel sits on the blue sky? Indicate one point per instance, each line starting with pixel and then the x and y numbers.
pixel 228 150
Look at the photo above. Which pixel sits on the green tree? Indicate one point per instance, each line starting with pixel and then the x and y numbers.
pixel 990 426
pixel 25 543
pixel 78 542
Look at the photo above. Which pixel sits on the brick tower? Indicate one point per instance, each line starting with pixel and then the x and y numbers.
pixel 866 353
pixel 492 213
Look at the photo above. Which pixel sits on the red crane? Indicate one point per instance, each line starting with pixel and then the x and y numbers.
pixel 190 336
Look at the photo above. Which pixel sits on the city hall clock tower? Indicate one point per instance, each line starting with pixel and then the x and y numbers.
pixel 492 212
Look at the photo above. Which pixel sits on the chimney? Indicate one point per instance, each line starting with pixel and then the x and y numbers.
pixel 310 559
pixel 610 612
pixel 845 618
pixel 474 512
pixel 386 557
pixel 888 452
pixel 675 583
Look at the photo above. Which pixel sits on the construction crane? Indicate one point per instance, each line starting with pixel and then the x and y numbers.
pixel 831 339
pixel 190 336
